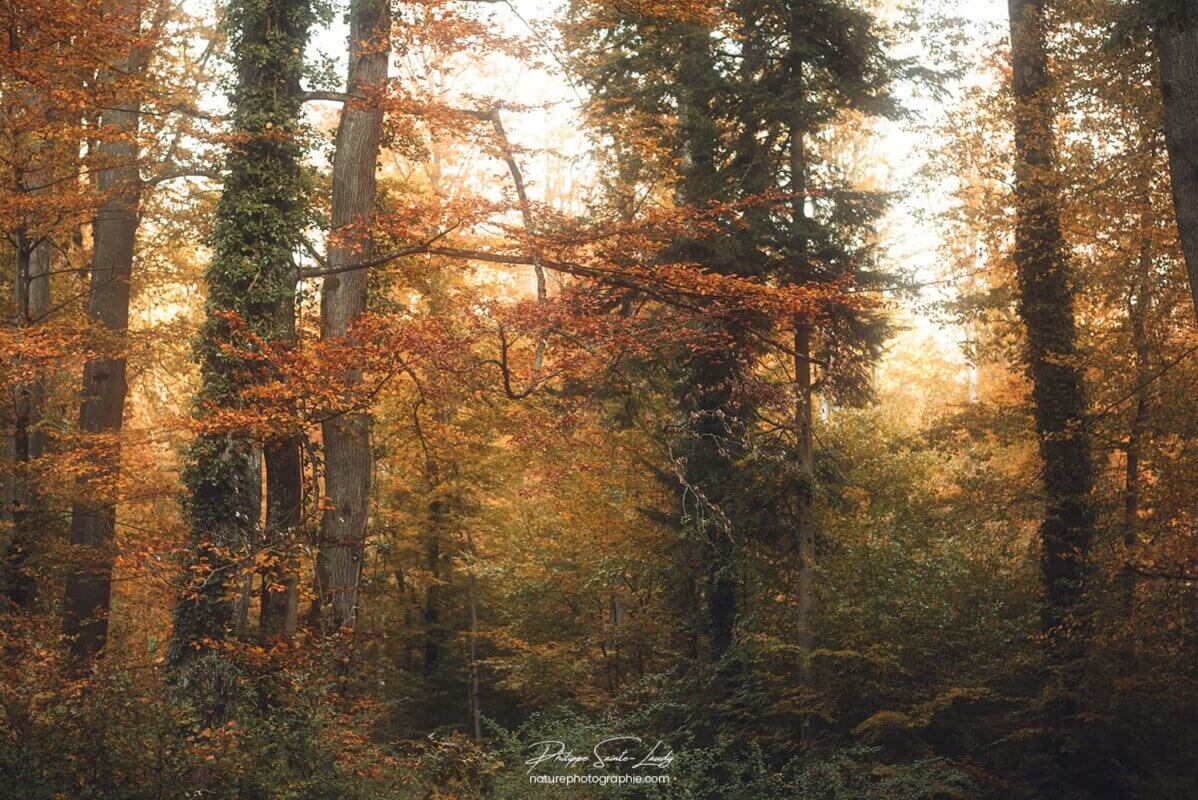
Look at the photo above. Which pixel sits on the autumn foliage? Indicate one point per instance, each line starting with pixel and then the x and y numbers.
pixel 388 387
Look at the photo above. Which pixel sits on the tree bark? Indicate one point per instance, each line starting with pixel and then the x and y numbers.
pixel 475 702
pixel 89 586
pixel 804 454
pixel 284 507
pixel 31 300
pixel 347 452
pixel 476 712
pixel 1046 307
pixel 1177 41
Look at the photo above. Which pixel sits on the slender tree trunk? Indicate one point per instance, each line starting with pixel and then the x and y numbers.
pixel 804 516
pixel 1045 304
pixel 476 712
pixel 346 438
pixel 1177 41
pixel 284 509
pixel 1137 312
pixel 615 616
pixel 89 586
pixel 25 444
pixel 804 452
pixel 475 702
pixel 804 534
pixel 31 300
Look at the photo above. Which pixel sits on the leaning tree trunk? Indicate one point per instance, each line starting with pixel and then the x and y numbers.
pixel 346 438
pixel 89 585
pixel 1177 41
pixel 1045 304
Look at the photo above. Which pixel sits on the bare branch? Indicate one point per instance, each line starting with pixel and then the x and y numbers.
pixel 329 97
pixel 182 171
pixel 408 250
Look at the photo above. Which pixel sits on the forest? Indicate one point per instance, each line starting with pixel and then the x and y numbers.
pixel 644 399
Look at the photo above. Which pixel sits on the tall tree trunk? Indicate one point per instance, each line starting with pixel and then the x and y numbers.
pixel 31 300
pixel 252 273
pixel 804 454
pixel 475 702
pixel 347 455
pixel 89 586
pixel 804 534
pixel 1137 312
pixel 1177 41
pixel 1045 304
pixel 476 712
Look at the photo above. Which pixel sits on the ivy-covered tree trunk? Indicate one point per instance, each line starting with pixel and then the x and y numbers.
pixel 1177 40
pixel 259 220
pixel 347 455
pixel 1046 306
pixel 89 586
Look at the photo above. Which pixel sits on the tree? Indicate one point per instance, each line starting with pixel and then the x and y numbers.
pixel 832 65
pixel 1045 306
pixel 101 411
pixel 718 103
pixel 251 282
pixel 346 437
pixel 646 63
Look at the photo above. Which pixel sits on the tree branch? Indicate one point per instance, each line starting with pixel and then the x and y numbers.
pixel 329 97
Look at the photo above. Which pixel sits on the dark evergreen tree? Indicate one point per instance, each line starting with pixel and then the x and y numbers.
pixel 726 98
pixel 654 68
